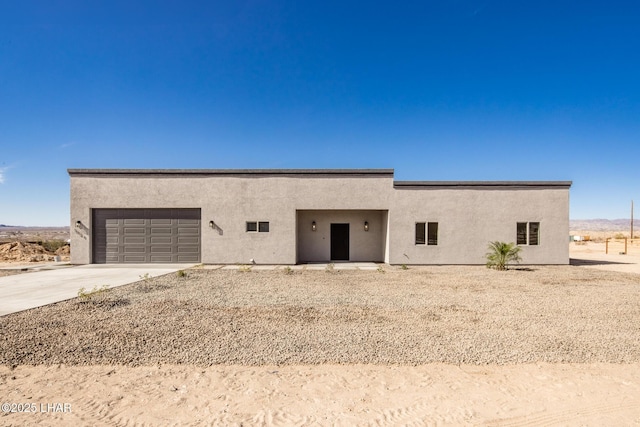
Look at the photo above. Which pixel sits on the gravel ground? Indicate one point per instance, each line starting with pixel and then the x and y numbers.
pixel 453 315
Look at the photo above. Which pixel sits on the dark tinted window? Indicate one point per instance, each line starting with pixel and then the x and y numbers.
pixel 521 233
pixel 432 233
pixel 420 228
pixel 534 233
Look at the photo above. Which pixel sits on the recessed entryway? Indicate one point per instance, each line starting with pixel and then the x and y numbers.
pixel 339 242
pixel 341 235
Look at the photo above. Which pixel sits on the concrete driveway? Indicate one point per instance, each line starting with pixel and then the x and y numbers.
pixel 24 291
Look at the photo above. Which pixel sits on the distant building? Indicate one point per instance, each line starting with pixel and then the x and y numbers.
pixel 297 216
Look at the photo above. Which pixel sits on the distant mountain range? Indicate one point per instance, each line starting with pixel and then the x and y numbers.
pixel 603 224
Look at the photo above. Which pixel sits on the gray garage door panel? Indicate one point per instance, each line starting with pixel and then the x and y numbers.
pixel 146 235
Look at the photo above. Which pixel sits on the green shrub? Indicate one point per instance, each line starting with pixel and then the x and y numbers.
pixel 53 245
pixel 100 297
pixel 501 254
pixel 244 268
pixel 93 294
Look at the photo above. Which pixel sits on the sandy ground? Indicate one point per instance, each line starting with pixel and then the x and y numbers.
pixel 433 394
pixel 594 255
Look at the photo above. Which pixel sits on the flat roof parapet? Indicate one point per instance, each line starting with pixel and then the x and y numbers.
pixel 319 173
pixel 482 184
pixel 231 172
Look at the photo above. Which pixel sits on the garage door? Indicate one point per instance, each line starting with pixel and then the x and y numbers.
pixel 146 235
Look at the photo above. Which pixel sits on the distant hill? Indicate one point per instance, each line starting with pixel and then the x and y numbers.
pixel 11 233
pixel 602 224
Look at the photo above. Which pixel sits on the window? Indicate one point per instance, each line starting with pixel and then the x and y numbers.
pixel 420 228
pixel 258 226
pixel 534 233
pixel 521 234
pixel 426 233
pixel 528 233
pixel 432 233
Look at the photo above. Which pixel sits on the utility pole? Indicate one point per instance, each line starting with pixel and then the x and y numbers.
pixel 632 219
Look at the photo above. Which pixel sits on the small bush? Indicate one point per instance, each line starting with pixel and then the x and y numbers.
pixel 288 270
pixel 404 267
pixel 244 268
pixel 100 297
pixel 330 268
pixel 53 245
pixel 96 293
pixel 147 283
pixel 501 254
pixel 381 270
pixel 181 273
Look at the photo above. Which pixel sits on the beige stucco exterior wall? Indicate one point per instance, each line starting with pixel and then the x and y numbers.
pixel 468 216
pixel 229 201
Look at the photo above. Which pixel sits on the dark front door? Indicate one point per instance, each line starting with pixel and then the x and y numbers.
pixel 340 242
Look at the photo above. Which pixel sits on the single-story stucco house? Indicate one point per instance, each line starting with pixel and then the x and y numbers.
pixel 289 216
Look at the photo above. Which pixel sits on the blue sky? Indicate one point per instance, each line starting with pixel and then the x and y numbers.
pixel 437 90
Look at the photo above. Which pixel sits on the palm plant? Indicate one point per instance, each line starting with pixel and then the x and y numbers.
pixel 501 254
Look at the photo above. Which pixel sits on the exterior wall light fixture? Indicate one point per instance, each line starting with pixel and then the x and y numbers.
pixel 366 226
pixel 78 223
pixel 216 227
pixel 313 226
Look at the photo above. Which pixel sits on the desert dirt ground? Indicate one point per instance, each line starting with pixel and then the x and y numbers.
pixel 427 346
pixel 617 257
pixel 343 395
